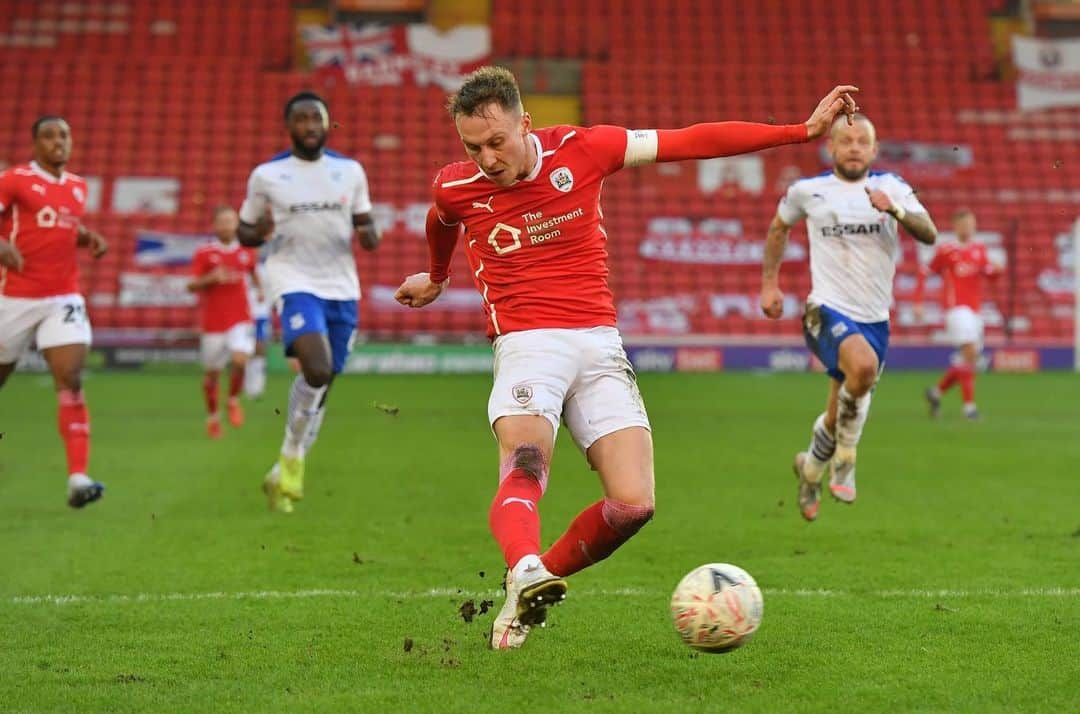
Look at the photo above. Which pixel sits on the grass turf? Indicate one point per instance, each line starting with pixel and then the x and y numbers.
pixel 951 585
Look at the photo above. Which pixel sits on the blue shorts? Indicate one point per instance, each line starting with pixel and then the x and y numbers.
pixel 302 313
pixel 262 329
pixel 825 328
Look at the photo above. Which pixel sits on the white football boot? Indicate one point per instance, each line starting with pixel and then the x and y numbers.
pixel 842 478
pixel 809 491
pixel 530 589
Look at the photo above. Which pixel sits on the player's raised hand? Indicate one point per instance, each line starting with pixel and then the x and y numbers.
pixel 836 101
pixel 10 257
pixel 772 302
pixel 880 200
pixel 418 290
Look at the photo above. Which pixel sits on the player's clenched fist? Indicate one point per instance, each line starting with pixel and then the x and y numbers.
pixel 418 290
pixel 772 302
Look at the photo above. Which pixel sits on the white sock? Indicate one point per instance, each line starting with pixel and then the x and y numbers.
pixel 851 413
pixel 313 429
pixel 304 403
pixel 79 481
pixel 255 377
pixel 821 449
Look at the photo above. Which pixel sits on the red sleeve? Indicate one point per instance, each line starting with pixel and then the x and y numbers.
pixel 709 141
pixel 938 263
pixel 7 190
pixel 254 259
pixel 198 263
pixel 606 145
pixel 442 239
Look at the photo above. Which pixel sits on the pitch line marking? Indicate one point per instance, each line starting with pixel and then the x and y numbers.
pixel 137 598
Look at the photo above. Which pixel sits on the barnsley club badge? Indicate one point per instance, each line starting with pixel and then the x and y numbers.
pixel 522 393
pixel 562 179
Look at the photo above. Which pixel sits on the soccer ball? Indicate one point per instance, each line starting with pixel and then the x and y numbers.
pixel 716 607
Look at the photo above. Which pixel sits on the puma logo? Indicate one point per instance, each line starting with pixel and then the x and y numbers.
pixel 486 206
pixel 527 503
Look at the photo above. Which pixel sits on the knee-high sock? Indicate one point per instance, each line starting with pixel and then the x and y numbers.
pixel 951 377
pixel 966 378
pixel 73 421
pixel 255 376
pixel 821 449
pixel 851 413
pixel 313 428
pixel 515 516
pixel 304 403
pixel 236 381
pixel 596 533
pixel 210 393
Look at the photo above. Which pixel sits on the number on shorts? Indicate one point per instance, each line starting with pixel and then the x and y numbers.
pixel 74 314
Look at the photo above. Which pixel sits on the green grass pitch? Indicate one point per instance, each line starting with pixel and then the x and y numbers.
pixel 951 585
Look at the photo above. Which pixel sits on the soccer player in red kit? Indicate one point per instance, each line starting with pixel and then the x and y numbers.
pixel 528 206
pixel 41 208
pixel 221 270
pixel 962 265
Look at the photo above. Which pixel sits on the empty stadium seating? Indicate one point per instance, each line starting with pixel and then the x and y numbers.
pixel 194 90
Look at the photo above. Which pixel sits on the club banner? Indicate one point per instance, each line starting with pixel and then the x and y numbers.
pixel 378 55
pixel 1048 72
pixel 154 249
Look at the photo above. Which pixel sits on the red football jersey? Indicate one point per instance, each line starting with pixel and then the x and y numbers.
pixel 962 267
pixel 538 248
pixel 40 216
pixel 224 304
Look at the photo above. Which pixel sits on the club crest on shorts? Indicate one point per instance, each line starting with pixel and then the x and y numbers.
pixel 838 329
pixel 562 179
pixel 522 393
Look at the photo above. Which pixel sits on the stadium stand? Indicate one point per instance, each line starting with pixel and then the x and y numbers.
pixel 192 90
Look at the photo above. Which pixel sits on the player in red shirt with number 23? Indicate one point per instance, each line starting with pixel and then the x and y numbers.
pixel 41 209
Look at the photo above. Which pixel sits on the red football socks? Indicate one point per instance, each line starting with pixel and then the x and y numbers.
pixel 74 425
pixel 515 516
pixel 210 392
pixel 236 382
pixel 596 533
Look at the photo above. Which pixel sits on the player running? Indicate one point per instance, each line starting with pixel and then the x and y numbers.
pixel 314 202
pixel 528 205
pixel 963 265
pixel 220 272
pixel 852 219
pixel 41 207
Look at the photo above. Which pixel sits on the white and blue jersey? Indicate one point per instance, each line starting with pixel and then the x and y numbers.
pixel 310 266
pixel 853 246
pixel 853 253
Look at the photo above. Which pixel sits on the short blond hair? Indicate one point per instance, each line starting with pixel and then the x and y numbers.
pixel 485 86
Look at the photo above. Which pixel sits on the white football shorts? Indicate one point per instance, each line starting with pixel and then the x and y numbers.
pixel 963 326
pixel 43 322
pixel 579 376
pixel 217 347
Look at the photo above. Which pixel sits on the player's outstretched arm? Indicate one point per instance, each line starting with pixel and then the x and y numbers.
pixel 772 298
pixel 729 138
pixel 423 288
pixel 366 231
pixel 919 225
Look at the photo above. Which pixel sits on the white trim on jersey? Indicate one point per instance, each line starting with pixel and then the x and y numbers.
pixel 539 158
pixel 461 182
pixel 484 292
pixel 641 146
pixel 549 152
